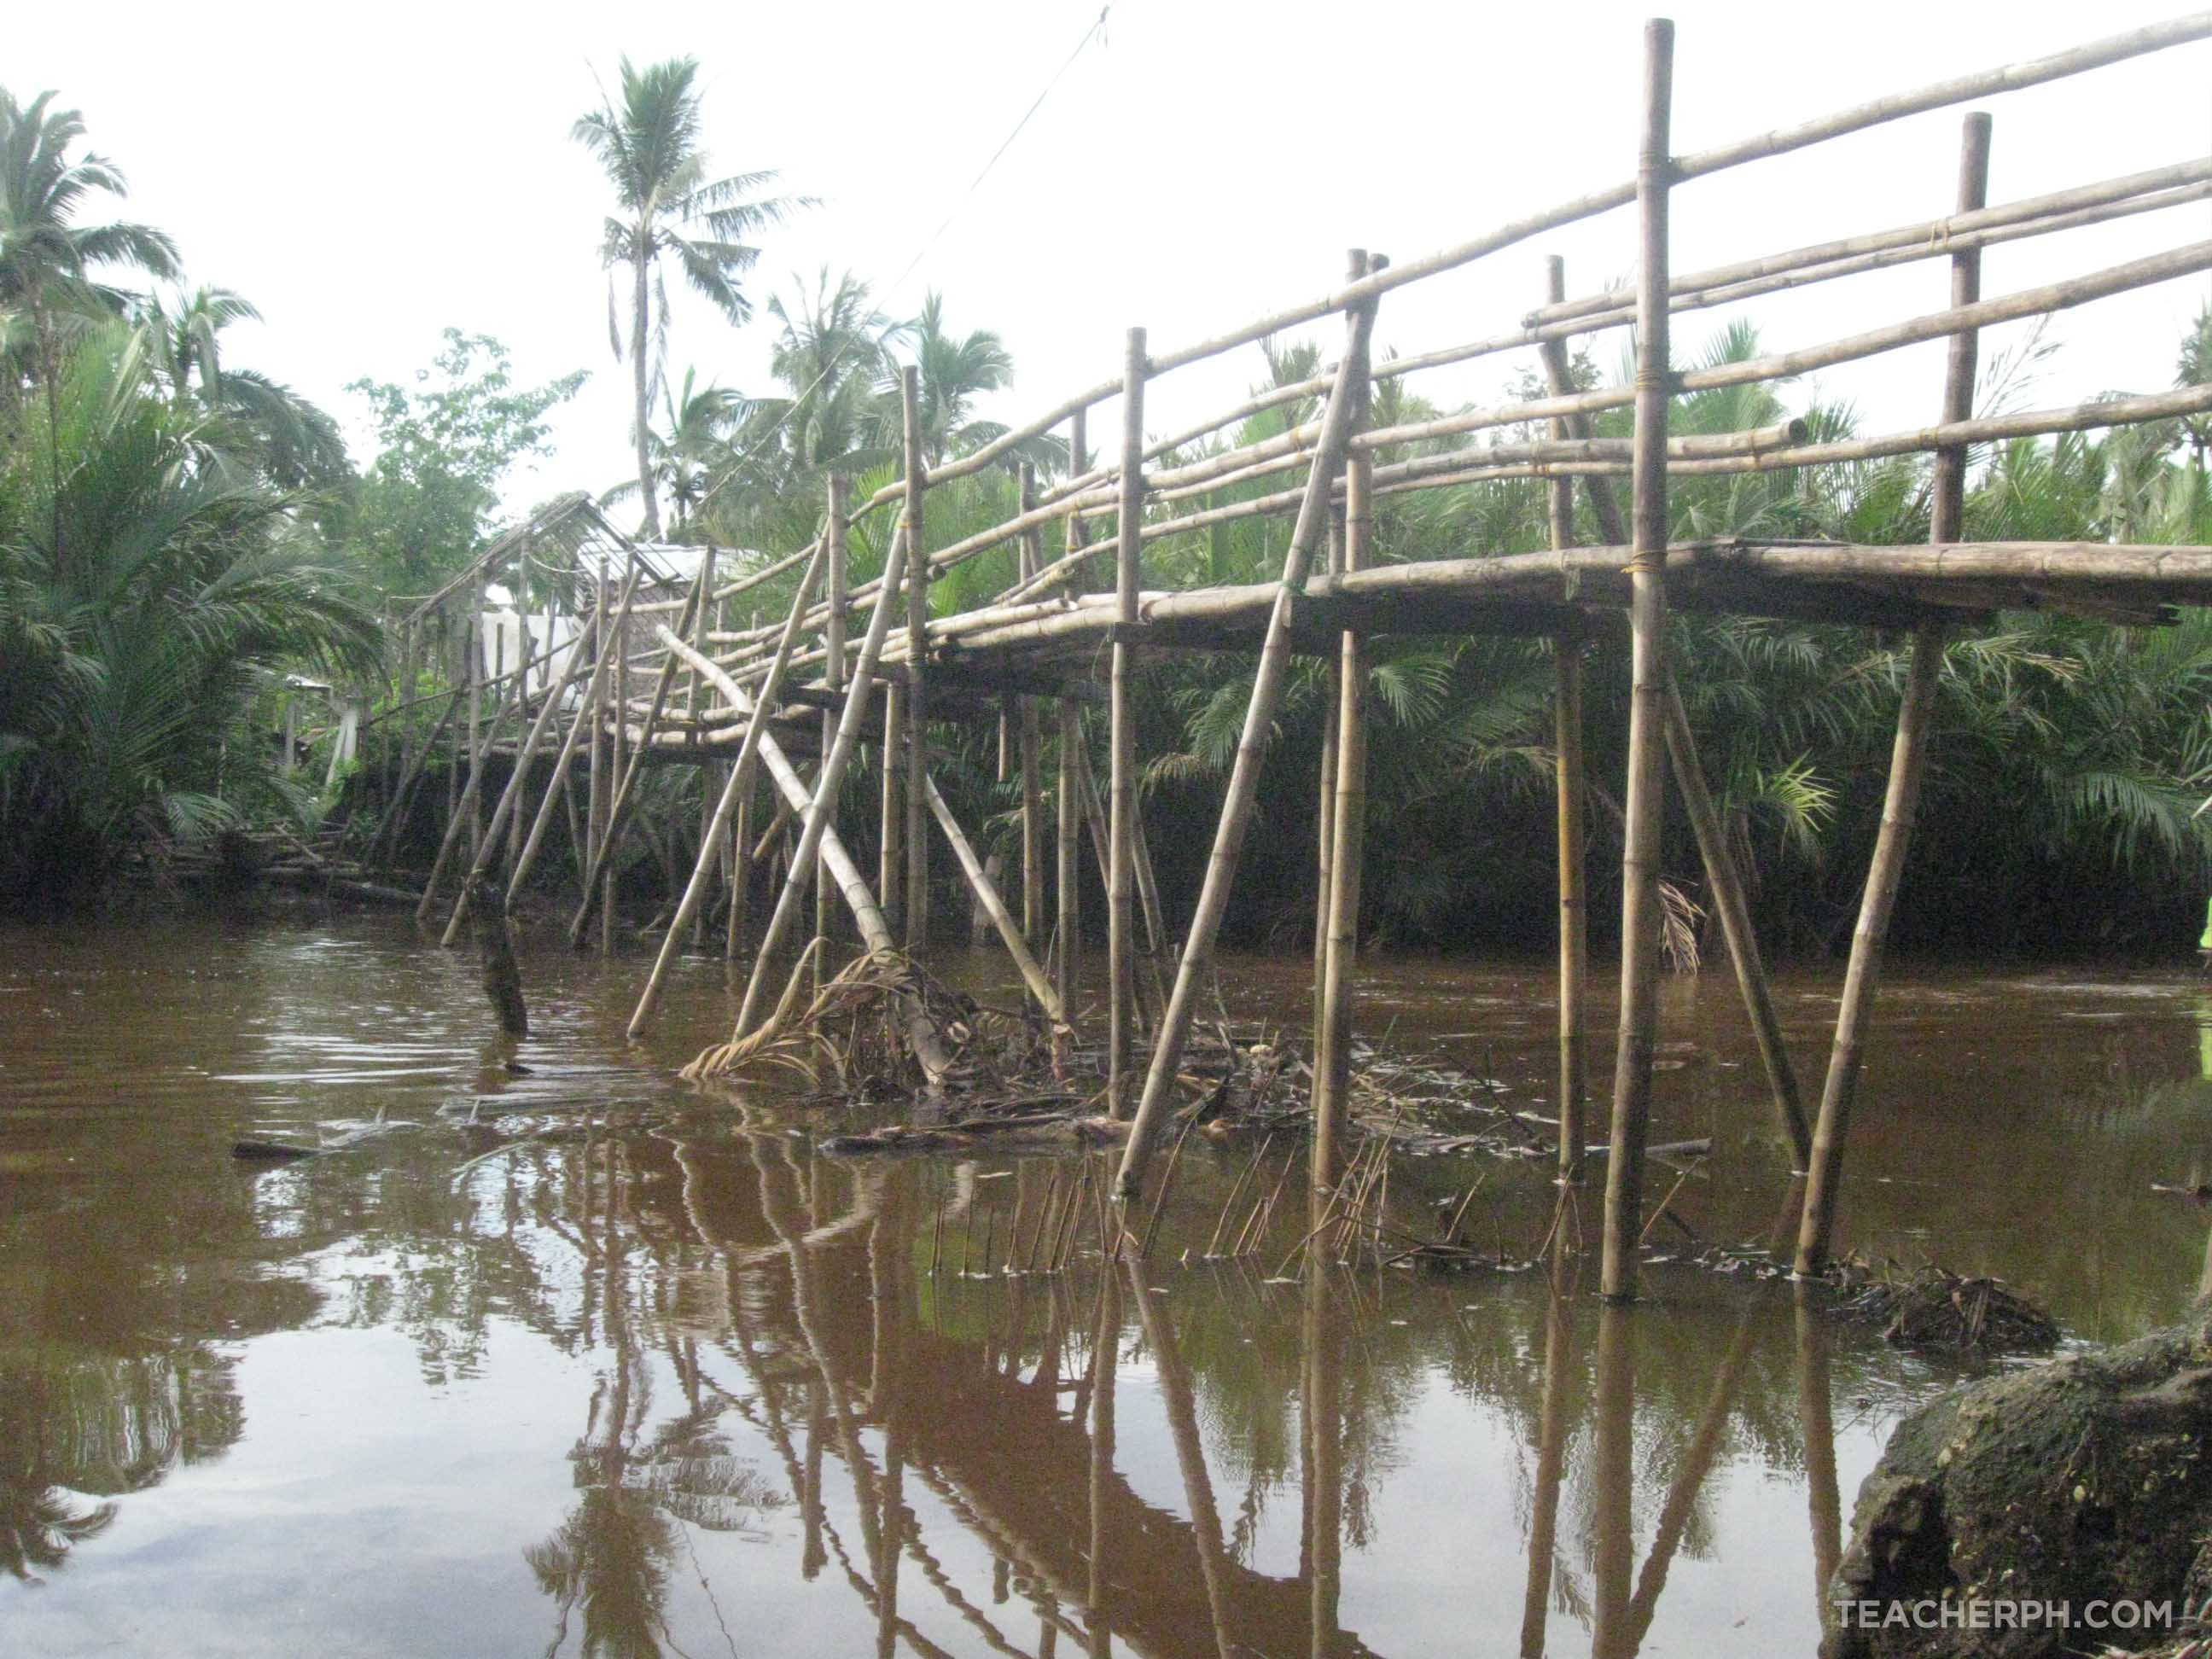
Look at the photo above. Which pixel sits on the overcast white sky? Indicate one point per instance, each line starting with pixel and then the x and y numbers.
pixel 370 174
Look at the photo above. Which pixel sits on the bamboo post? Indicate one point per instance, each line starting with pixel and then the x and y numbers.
pixel 917 649
pixel 464 813
pixel 875 930
pixel 1067 937
pixel 1571 772
pixel 738 790
pixel 596 766
pixel 618 808
pixel 618 755
pixel 986 894
pixel 1721 874
pixel 1647 620
pixel 834 531
pixel 1267 688
pixel 1325 804
pixel 556 788
pixel 1908 758
pixel 499 835
pixel 473 808
pixel 1030 554
pixel 1348 821
pixel 1121 779
pixel 701 618
pixel 739 871
pixel 890 876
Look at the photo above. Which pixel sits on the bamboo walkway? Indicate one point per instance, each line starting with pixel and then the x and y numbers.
pixel 658 668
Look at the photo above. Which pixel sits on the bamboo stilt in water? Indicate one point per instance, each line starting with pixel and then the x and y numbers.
pixel 1122 754
pixel 1325 809
pixel 986 894
pixel 596 783
pixel 834 534
pixel 1908 757
pixel 1243 784
pixel 464 814
pixel 737 790
pixel 556 788
pixel 1612 1477
pixel 702 612
pixel 891 873
pixel 1322 1425
pixel 473 808
pixel 625 793
pixel 917 643
pixel 1348 822
pixel 1550 1471
pixel 495 950
pixel 1033 927
pixel 1645 804
pixel 739 870
pixel 1067 936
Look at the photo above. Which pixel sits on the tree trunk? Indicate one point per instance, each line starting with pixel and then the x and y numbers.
pixel 641 321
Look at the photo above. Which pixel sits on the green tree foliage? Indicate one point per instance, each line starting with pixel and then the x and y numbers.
pixel 148 584
pixel 443 446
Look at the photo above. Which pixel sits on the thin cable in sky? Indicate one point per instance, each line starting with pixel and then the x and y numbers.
pixel 1097 26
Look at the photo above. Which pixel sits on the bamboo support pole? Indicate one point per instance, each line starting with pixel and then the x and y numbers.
pixel 702 609
pixel 1325 808
pixel 625 793
pixel 740 871
pixel 464 814
pixel 1727 886
pixel 917 641
pixel 986 894
pixel 890 872
pixel 472 806
pixel 499 836
pixel 1067 935
pixel 1122 754
pixel 738 790
pixel 1243 783
pixel 818 834
pixel 1094 811
pixel 556 786
pixel 1033 925
pixel 1348 818
pixel 1645 801
pixel 1908 758
pixel 617 753
pixel 1571 770
pixel 834 533
pixel 596 766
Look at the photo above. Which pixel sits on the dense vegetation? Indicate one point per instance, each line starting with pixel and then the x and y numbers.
pixel 178 534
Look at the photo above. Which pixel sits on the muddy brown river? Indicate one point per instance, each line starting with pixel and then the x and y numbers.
pixel 585 1359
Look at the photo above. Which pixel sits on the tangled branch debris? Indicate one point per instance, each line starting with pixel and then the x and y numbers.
pixel 1931 1307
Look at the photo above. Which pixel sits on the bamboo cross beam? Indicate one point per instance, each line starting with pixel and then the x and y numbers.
pixel 625 792
pixel 556 786
pixel 1267 688
pixel 737 790
pixel 986 894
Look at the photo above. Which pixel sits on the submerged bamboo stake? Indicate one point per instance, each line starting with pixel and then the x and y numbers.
pixel 1908 758
pixel 556 786
pixel 1332 1088
pixel 917 647
pixel 1640 914
pixel 738 790
pixel 1121 768
pixel 1243 784
pixel 986 894
pixel 1571 775
pixel 1033 927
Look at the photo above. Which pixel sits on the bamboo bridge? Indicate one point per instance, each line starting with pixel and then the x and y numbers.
pixel 645 656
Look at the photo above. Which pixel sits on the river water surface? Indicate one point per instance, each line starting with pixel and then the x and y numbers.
pixel 588 1360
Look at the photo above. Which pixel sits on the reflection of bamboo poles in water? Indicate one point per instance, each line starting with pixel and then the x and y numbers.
pixel 1105 1355
pixel 1190 1455
pixel 1551 1467
pixel 1614 1472
pixel 1322 1431
pixel 1816 1408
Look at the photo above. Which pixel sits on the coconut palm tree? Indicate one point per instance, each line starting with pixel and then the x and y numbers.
pixel 649 143
pixel 834 346
pixel 52 268
pixel 690 446
pixel 286 439
pixel 956 370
